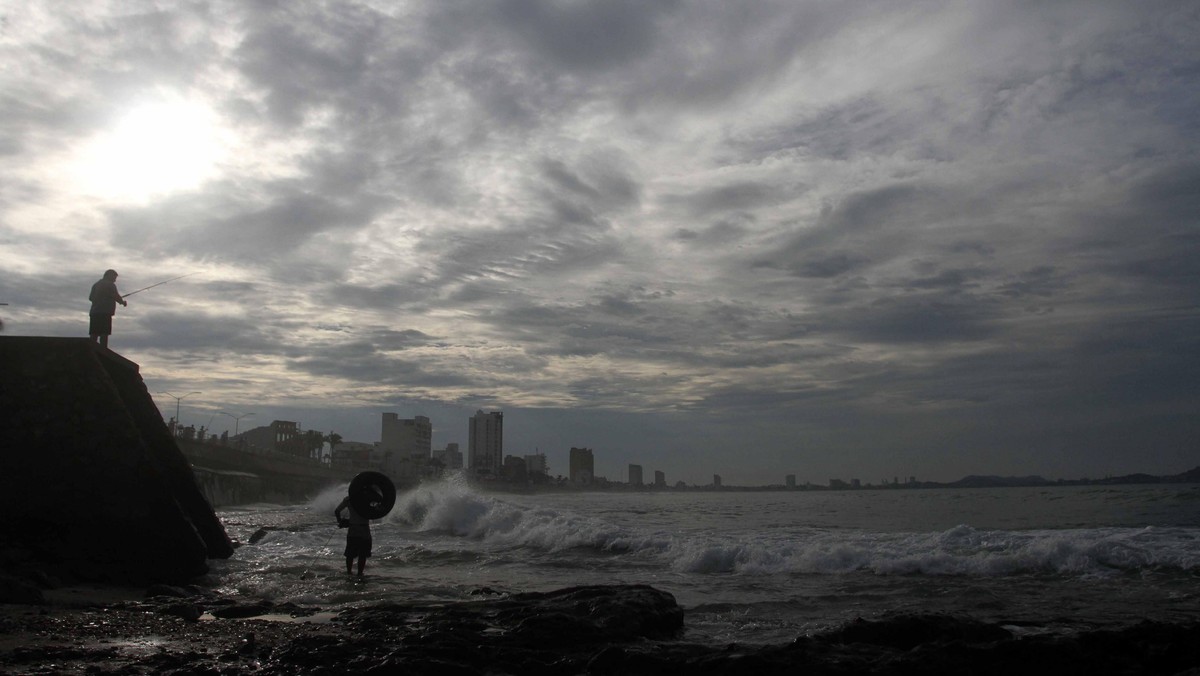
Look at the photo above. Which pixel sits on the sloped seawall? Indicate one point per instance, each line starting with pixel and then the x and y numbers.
pixel 91 480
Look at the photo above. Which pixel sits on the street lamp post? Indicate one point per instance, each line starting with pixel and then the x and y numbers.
pixel 177 400
pixel 237 420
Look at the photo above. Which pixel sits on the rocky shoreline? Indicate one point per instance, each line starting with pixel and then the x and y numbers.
pixel 581 630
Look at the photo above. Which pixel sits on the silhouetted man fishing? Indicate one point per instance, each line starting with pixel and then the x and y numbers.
pixel 104 297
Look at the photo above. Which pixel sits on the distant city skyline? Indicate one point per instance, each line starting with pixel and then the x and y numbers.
pixel 850 239
pixel 634 473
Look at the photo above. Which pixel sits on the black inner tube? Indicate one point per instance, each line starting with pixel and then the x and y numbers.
pixel 372 494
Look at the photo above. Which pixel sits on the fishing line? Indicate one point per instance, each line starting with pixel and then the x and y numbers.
pixel 308 571
pixel 126 295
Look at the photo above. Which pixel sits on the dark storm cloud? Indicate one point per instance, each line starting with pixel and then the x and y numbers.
pixel 1160 233
pixel 658 55
pixel 305 56
pixel 1038 282
pixel 837 132
pixel 363 361
pixel 949 279
pixel 741 196
pixel 49 290
pixel 919 318
pixel 390 296
pixel 826 264
pixel 600 183
pixel 721 232
pixel 222 224
pixel 866 228
pixel 171 330
pixel 712 55
pixel 638 325
pixel 585 36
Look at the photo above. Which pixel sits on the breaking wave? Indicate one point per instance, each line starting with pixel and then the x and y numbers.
pixel 455 509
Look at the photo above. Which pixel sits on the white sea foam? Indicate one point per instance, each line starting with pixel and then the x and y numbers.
pixel 960 551
pixel 328 499
pixel 456 509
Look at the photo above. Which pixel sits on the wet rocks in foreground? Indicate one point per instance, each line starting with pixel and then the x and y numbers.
pixel 580 630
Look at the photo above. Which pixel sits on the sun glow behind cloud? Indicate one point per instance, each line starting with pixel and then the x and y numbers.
pixel 155 149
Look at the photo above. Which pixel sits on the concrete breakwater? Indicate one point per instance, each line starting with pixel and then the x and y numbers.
pixel 231 476
pixel 94 484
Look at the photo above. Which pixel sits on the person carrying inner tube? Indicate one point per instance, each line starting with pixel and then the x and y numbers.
pixel 358 535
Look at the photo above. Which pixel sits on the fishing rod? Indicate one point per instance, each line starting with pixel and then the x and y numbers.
pixel 126 295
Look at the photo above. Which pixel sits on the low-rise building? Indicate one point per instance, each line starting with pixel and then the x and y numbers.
pixel 450 456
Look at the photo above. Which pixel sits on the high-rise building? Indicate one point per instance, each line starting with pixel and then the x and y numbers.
pixel 716 481
pixel 583 466
pixel 410 439
pixel 660 479
pixel 485 443
pixel 790 480
pixel 635 475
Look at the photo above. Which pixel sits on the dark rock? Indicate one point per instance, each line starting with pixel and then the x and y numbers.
pixel 188 611
pixel 13 590
pixel 594 613
pixel 168 590
pixel 578 616
pixel 242 610
pixel 905 632
pixel 45 580
pixel 97 488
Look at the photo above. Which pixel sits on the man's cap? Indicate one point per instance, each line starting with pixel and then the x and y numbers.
pixel 110 273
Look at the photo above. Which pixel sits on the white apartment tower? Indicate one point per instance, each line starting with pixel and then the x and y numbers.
pixel 406 439
pixel 485 444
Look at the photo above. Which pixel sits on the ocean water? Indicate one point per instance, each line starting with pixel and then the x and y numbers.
pixel 756 567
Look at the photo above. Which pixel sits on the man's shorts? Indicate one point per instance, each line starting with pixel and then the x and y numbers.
pixel 100 325
pixel 358 547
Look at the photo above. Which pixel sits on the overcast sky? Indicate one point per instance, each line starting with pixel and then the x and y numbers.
pixel 829 239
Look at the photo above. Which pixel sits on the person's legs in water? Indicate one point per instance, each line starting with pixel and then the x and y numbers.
pixel 350 565
pixel 362 563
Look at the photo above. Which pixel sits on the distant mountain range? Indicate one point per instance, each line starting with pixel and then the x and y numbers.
pixel 976 481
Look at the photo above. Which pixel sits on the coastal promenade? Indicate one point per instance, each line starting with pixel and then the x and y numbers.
pixel 231 476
